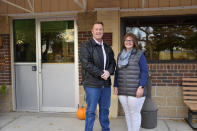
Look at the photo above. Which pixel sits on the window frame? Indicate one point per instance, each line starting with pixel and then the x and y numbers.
pixel 159 21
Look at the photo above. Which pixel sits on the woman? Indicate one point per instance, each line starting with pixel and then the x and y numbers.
pixel 130 80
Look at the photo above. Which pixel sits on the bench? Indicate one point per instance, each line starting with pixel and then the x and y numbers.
pixel 190 98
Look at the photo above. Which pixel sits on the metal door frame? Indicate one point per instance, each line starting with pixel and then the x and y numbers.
pixel 38 59
pixel 39 71
pixel 18 63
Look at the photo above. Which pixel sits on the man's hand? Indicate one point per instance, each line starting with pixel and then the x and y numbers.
pixel 105 75
pixel 115 90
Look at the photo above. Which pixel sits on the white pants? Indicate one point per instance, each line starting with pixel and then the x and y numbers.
pixel 132 107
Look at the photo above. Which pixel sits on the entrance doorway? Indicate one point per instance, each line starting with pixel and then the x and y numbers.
pixel 44 56
pixel 57 65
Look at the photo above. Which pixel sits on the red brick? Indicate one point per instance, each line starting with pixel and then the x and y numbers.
pixel 171 84
pixel 160 67
pixel 171 77
pixel 156 81
pixel 189 74
pixel 176 81
pixel 161 84
pixel 5 69
pixel 157 74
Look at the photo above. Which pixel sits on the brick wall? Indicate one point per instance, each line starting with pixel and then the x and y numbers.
pixel 5 74
pixel 166 87
pixel 5 60
pixel 171 74
pixel 83 36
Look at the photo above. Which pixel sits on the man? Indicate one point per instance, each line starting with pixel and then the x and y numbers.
pixel 97 59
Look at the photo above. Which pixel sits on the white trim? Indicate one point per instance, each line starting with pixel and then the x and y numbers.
pixel 17 6
pixel 45 19
pixel 45 14
pixel 158 9
pixel 12 66
pixel 145 9
pixel 30 5
pixel 17 63
pixel 58 109
pixel 25 110
pixel 38 60
pixel 33 6
pixel 79 4
pixel 76 64
pixel 107 9
pixel 39 70
pixel 85 4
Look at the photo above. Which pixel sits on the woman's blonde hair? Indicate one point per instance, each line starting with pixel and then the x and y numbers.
pixel 134 39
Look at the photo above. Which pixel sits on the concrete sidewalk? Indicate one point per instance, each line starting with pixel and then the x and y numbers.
pixel 25 121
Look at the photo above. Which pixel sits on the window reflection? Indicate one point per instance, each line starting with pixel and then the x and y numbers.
pixel 24 40
pixel 57 38
pixel 167 42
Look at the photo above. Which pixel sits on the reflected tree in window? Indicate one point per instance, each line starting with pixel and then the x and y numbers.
pixel 57 41
pixel 167 42
pixel 148 40
pixel 50 43
pixel 24 40
pixel 191 40
pixel 168 38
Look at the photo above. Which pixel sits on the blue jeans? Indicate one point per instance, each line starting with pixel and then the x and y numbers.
pixel 94 96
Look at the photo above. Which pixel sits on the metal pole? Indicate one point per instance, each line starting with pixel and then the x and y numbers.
pixel 149 109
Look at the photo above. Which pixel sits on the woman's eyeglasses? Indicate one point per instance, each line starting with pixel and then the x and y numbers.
pixel 129 41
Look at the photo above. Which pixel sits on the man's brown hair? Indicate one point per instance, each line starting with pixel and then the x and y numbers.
pixel 98 22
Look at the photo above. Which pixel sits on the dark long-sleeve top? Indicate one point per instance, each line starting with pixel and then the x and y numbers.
pixel 143 72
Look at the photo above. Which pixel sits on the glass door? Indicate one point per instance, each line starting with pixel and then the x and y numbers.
pixel 57 65
pixel 25 68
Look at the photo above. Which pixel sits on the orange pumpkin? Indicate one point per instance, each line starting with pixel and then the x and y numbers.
pixel 81 113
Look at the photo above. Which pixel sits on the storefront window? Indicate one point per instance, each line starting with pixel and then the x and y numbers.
pixel 57 41
pixel 167 41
